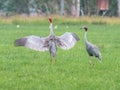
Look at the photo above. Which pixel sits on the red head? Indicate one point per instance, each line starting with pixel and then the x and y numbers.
pixel 50 20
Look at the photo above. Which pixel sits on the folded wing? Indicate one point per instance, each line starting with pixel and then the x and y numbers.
pixel 33 42
pixel 67 40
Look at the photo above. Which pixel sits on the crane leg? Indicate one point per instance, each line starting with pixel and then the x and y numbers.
pixel 55 59
pixel 91 61
pixel 50 58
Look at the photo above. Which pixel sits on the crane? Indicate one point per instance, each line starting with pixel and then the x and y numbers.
pixel 91 49
pixel 49 43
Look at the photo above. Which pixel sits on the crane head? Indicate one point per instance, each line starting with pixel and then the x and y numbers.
pixel 85 28
pixel 50 20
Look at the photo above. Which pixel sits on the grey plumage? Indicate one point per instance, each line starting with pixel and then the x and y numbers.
pixel 65 41
pixel 91 49
pixel 33 42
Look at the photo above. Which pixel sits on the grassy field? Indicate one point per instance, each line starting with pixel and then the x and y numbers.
pixel 25 69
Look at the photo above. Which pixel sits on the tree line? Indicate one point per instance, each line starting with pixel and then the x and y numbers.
pixel 59 7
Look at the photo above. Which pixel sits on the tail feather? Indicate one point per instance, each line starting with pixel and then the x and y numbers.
pixel 100 57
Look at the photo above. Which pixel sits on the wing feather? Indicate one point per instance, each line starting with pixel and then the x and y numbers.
pixel 33 42
pixel 67 40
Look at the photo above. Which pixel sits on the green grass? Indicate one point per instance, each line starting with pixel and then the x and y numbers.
pixel 25 69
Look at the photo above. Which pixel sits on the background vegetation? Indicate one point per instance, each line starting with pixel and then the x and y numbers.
pixel 12 7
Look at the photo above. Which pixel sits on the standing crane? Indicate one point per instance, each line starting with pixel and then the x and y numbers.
pixel 91 49
pixel 65 41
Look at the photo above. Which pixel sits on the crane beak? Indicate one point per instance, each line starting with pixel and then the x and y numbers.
pixel 81 27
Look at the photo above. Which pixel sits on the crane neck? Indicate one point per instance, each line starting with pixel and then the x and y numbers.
pixel 85 36
pixel 51 29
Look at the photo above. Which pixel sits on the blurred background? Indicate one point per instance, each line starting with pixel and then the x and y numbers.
pixel 75 8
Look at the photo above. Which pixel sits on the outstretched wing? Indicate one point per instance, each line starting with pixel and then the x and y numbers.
pixel 67 40
pixel 33 42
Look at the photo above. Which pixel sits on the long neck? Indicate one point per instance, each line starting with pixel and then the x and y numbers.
pixel 85 36
pixel 51 29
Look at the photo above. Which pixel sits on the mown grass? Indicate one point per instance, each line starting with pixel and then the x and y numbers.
pixel 25 69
